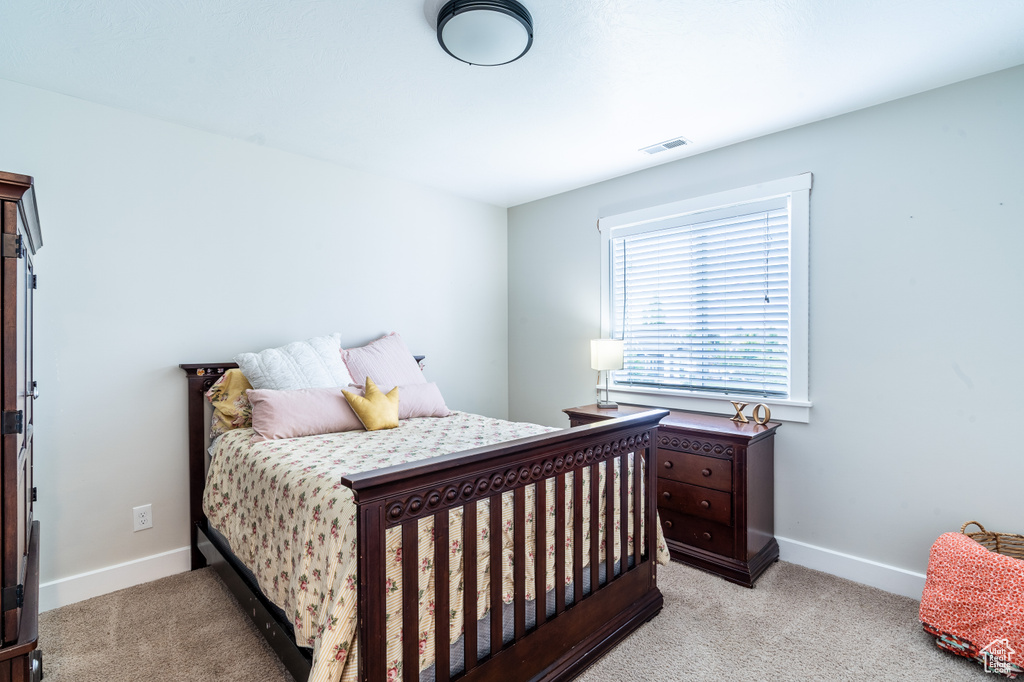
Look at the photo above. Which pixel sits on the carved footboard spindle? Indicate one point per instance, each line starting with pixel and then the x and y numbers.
pixel 469 536
pixel 577 535
pixel 541 554
pixel 503 493
pixel 624 467
pixel 442 623
pixel 494 570
pixel 595 529
pixel 559 545
pixel 607 527
pixel 372 645
pixel 519 562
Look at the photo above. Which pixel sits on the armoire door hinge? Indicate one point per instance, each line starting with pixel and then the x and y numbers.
pixel 35 281
pixel 12 246
pixel 35 494
pixel 13 422
pixel 13 597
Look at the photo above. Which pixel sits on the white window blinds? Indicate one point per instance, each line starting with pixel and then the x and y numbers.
pixel 705 306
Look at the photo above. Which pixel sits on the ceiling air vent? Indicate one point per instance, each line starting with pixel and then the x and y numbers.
pixel 667 144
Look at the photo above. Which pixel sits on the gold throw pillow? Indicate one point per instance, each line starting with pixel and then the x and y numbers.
pixel 376 411
pixel 231 408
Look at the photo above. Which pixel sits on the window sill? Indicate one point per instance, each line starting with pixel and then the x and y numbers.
pixel 782 410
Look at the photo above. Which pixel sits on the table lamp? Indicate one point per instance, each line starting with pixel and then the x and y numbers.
pixel 605 356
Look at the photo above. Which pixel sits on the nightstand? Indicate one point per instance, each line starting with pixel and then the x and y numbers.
pixel 716 489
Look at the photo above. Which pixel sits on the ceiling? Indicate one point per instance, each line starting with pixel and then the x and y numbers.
pixel 364 83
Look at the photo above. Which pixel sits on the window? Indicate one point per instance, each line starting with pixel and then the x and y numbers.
pixel 710 298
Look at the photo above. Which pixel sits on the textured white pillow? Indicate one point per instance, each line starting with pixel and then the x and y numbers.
pixel 315 363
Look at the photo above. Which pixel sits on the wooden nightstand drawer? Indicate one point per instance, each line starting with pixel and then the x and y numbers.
pixel 671 440
pixel 580 421
pixel 704 503
pixel 707 472
pixel 700 533
pixel 719 476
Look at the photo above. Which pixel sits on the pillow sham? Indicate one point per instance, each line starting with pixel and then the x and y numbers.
pixel 300 412
pixel 417 400
pixel 231 407
pixel 314 411
pixel 314 363
pixel 387 361
pixel 376 410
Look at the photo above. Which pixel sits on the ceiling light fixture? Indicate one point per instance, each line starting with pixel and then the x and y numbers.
pixel 485 32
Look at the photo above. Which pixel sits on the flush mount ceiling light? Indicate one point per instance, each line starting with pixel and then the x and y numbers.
pixel 485 32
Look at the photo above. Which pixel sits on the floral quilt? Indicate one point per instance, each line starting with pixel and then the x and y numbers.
pixel 286 515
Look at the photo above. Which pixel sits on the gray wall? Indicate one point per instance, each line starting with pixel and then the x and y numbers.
pixel 917 235
pixel 164 245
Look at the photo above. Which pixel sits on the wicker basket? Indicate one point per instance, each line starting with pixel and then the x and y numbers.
pixel 1006 544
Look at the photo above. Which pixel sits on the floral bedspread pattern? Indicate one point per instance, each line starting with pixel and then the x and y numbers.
pixel 282 508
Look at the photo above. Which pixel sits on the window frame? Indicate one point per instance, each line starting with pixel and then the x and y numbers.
pixel 797 189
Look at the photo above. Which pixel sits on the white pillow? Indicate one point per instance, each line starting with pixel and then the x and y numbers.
pixel 315 363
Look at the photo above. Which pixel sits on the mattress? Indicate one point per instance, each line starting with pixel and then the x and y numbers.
pixel 285 514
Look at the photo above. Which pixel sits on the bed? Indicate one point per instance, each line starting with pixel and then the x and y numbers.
pixel 318 538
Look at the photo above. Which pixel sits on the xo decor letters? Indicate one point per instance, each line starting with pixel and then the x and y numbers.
pixel 486 483
pixel 761 414
pixel 765 415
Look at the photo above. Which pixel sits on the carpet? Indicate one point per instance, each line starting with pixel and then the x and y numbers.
pixel 797 624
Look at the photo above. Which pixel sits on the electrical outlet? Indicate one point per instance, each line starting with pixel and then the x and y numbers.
pixel 143 517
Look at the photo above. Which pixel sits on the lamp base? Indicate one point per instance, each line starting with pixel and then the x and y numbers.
pixel 606 404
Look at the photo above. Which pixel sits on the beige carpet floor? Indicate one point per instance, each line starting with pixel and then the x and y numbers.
pixel 797 624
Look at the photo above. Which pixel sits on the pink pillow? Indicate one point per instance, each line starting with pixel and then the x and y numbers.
pixel 300 412
pixel 313 411
pixel 387 361
pixel 420 400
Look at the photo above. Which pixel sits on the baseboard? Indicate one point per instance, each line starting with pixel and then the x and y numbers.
pixel 889 578
pixel 75 588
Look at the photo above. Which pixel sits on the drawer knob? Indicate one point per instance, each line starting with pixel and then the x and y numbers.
pixel 707 536
pixel 668 465
pixel 705 504
pixel 667 495
pixel 705 472
pixel 668 524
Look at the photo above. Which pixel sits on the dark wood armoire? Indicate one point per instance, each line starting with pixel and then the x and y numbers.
pixel 20 659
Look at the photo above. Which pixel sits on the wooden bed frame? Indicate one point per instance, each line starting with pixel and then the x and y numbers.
pixel 559 646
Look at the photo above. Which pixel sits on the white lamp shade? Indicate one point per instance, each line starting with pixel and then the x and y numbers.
pixel 606 354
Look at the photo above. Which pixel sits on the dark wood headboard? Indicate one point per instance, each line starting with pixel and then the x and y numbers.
pixel 200 378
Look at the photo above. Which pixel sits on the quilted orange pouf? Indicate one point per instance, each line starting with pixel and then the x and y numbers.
pixel 973 603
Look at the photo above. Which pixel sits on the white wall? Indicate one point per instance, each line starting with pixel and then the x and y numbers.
pixel 164 245
pixel 917 235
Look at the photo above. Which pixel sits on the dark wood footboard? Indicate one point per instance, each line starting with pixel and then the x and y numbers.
pixel 605 597
pixel 561 644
